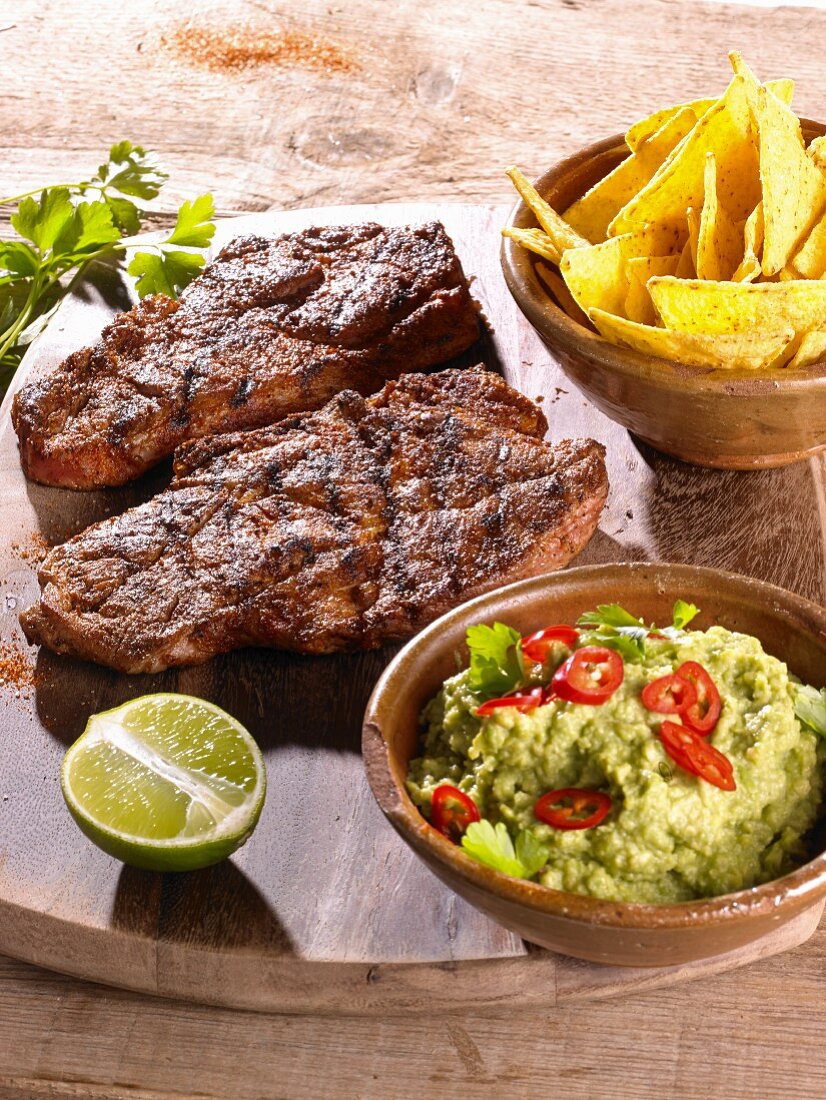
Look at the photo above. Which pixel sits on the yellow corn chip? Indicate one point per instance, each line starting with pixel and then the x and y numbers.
pixel 719 242
pixel 693 222
pixel 556 285
pixel 750 351
pixel 592 214
pixel 750 267
pixel 686 268
pixel 640 131
pixel 638 304
pixel 794 188
pixel 810 261
pixel 725 130
pixel 535 240
pixel 597 275
pixel 561 234
pixel 812 349
pixel 817 151
pixel 696 305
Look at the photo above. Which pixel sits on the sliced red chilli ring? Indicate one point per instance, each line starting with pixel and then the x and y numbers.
pixel 451 811
pixel 702 715
pixel 590 675
pixel 573 808
pixel 537 646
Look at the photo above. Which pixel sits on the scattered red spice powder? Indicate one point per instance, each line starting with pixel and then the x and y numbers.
pixel 35 551
pixel 16 671
pixel 234 49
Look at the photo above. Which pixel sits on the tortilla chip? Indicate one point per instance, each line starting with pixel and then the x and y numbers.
pixel 646 127
pixel 725 130
pixel 750 267
pixel 812 349
pixel 592 214
pixel 750 352
pixel 686 268
pixel 535 240
pixel 638 304
pixel 702 306
pixel 817 151
pixel 561 234
pixel 693 222
pixel 597 275
pixel 810 261
pixel 642 130
pixel 554 282
pixel 719 242
pixel 794 188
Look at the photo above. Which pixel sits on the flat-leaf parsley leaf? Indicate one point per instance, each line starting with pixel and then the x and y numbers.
pixel 496 661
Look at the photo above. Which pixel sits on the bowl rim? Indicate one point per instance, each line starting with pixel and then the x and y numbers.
pixel 803 886
pixel 560 330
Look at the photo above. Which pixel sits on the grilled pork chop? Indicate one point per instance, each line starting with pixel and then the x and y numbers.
pixel 271 327
pixel 333 530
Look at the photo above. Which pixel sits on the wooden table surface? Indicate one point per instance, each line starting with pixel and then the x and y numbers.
pixel 420 99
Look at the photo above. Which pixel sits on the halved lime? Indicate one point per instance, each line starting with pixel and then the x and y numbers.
pixel 165 782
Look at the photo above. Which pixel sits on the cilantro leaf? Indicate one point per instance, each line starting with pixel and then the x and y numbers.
pixel 683 613
pixel 124 213
pixel 131 171
pixel 532 853
pixel 18 258
pixel 810 707
pixel 164 272
pixel 44 222
pixel 493 846
pixel 496 662
pixel 92 227
pixel 194 229
pixel 612 623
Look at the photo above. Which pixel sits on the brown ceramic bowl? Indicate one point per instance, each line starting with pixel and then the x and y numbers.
pixel 602 931
pixel 728 419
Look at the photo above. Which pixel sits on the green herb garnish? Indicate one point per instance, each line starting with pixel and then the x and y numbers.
pixel 618 629
pixel 683 613
pixel 67 227
pixel 496 661
pixel 492 845
pixel 810 707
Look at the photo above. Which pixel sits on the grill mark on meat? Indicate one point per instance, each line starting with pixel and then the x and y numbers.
pixel 269 328
pixel 339 529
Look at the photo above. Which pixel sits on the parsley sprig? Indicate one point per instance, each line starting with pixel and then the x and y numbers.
pixel 67 227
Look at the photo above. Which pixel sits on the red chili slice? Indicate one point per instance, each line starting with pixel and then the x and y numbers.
pixel 451 812
pixel 590 675
pixel 687 748
pixel 703 714
pixel 520 700
pixel 573 808
pixel 669 694
pixel 536 646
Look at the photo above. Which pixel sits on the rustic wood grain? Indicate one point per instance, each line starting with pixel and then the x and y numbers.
pixel 449 93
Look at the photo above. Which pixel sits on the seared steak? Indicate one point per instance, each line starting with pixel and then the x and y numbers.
pixel 339 529
pixel 271 327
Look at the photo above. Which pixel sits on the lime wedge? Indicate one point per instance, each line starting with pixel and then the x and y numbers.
pixel 165 782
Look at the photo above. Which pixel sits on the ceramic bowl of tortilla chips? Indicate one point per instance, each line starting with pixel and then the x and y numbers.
pixel 727 417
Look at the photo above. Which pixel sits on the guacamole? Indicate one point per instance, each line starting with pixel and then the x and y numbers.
pixel 670 836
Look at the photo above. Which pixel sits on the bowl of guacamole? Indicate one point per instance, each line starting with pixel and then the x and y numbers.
pixel 625 763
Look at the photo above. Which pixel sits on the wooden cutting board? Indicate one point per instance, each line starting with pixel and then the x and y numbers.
pixel 325 909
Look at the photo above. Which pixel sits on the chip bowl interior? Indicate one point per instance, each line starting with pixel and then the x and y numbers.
pixel 617 933
pixel 727 419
